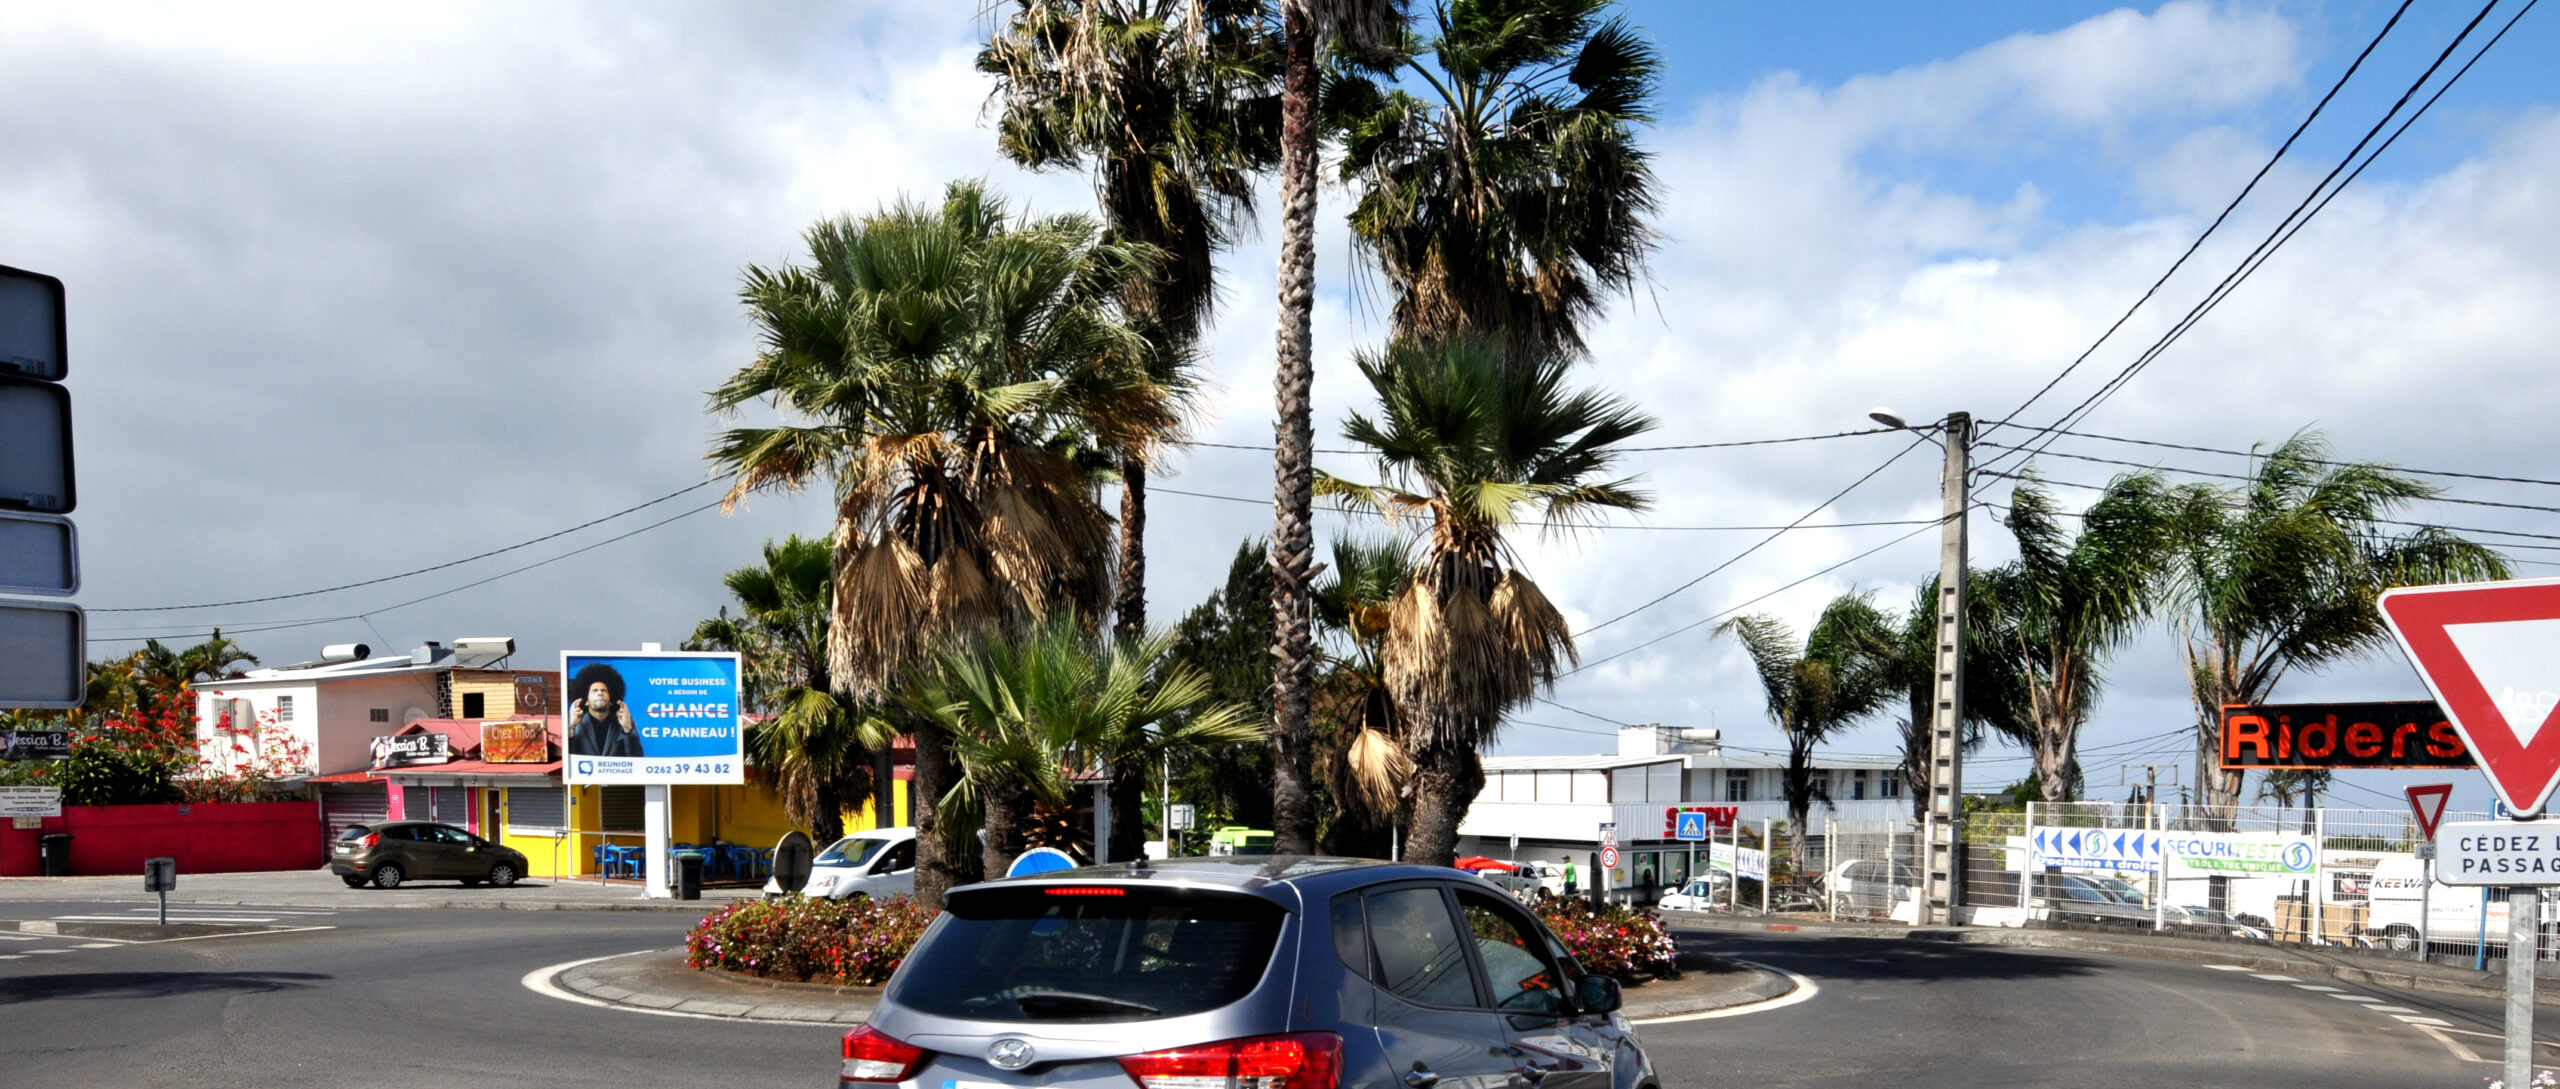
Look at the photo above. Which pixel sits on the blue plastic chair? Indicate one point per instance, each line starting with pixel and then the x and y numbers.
pixel 742 860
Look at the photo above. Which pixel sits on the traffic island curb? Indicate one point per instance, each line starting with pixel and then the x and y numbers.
pixel 2344 968
pixel 1727 984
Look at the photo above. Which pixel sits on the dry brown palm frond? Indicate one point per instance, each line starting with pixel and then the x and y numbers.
pixel 1532 626
pixel 1445 665
pixel 1372 772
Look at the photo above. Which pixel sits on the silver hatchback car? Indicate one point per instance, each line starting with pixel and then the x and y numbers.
pixel 1244 973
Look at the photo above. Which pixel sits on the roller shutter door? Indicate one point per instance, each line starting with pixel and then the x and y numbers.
pixel 543 809
pixel 340 810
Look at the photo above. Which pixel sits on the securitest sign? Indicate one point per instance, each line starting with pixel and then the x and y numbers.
pixel 2498 853
pixel 651 717
pixel 2240 852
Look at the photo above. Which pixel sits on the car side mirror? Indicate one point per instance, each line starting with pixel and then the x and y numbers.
pixel 1598 994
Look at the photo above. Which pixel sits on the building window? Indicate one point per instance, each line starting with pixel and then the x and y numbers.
pixel 284 708
pixel 1889 786
pixel 475 704
pixel 1858 785
pixel 381 714
pixel 1737 786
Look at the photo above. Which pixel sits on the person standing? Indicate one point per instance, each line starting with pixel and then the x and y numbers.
pixel 1572 878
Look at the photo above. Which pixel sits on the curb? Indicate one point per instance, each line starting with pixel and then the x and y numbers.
pixel 2490 986
pixel 1767 986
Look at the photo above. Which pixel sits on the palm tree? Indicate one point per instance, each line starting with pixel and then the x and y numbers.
pixel 1500 185
pixel 1813 690
pixel 809 746
pixel 1476 438
pixel 2078 599
pixel 1025 710
pixel 1174 105
pixel 1355 717
pixel 1905 648
pixel 2282 571
pixel 1357 26
pixel 940 366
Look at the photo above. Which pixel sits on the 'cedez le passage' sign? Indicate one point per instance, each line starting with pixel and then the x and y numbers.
pixel 651 717
pixel 2498 853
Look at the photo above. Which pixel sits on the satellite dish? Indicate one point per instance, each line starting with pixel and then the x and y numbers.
pixel 1040 860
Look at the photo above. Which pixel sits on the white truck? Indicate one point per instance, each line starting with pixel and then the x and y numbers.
pixel 2453 912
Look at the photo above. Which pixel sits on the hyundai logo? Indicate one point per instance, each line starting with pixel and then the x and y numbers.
pixel 1010 1053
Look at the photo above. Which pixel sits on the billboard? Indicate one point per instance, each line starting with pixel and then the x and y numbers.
pixel 515 742
pixel 651 717
pixel 2403 734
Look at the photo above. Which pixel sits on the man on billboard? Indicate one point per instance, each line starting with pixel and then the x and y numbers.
pixel 600 722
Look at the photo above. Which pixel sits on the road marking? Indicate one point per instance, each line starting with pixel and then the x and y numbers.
pixel 172 918
pixel 539 982
pixel 2318 987
pixel 2228 967
pixel 2356 997
pixel 2436 1021
pixel 19 938
pixel 13 956
pixel 1805 990
pixel 2275 978
pixel 243 907
pixel 48 950
pixel 2460 1052
pixel 2391 1009
pixel 97 945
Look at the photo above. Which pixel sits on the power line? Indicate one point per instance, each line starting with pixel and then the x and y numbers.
pixel 1619 449
pixel 1152 489
pixel 2491 477
pixel 2286 228
pixel 1763 542
pixel 2378 521
pixel 419 571
pixel 2210 228
pixel 2032 454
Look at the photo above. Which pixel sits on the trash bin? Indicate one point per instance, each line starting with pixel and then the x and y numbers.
pixel 56 849
pixel 688 875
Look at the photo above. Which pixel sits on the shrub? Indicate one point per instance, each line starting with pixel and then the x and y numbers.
pixel 1625 943
pixel 797 939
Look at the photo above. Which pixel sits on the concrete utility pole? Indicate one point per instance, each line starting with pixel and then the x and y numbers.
pixel 1940 900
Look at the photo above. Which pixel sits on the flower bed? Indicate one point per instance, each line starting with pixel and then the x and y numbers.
pixel 1627 944
pixel 854 943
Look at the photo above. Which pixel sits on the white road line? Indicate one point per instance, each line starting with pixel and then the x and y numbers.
pixel 48 950
pixel 97 945
pixel 173 918
pixel 19 938
pixel 2356 997
pixel 2318 987
pixel 2436 1021
pixel 2275 978
pixel 1805 990
pixel 2391 1009
pixel 2228 967
pixel 539 982
pixel 2460 1052
pixel 13 956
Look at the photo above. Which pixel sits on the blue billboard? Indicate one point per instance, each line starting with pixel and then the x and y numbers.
pixel 651 717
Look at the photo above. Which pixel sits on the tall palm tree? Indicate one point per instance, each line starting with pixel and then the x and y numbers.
pixel 1905 648
pixel 1174 106
pixel 1026 709
pixel 1476 438
pixel 1813 689
pixel 1500 184
pixel 939 366
pixel 810 746
pixel 1359 27
pixel 1355 716
pixel 2281 573
pixel 2078 599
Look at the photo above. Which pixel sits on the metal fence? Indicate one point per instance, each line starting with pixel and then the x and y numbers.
pixel 1872 870
pixel 2337 877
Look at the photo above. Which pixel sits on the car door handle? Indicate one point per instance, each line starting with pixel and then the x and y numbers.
pixel 1420 1078
pixel 1536 1073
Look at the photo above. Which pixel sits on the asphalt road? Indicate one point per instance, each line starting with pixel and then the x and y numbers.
pixel 379 996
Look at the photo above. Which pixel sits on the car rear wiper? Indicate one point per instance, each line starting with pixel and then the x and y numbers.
pixel 1069 1003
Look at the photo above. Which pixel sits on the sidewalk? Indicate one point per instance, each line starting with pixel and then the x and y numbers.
pixel 2371 968
pixel 657 981
pixel 322 889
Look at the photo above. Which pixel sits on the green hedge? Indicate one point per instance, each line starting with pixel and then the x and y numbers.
pixel 1625 943
pixel 845 943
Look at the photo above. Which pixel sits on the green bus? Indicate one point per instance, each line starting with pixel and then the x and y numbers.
pixel 1235 839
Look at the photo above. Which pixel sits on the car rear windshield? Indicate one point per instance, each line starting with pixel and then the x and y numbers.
pixel 1057 952
pixel 356 832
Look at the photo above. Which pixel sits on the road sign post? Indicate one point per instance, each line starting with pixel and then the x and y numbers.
pixel 43 644
pixel 2426 807
pixel 2490 653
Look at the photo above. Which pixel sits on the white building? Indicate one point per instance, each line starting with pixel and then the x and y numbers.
pixel 331 710
pixel 1555 805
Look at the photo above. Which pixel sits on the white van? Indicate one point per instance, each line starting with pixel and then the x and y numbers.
pixel 2453 911
pixel 877 864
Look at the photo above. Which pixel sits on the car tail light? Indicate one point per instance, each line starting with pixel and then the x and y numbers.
pixel 871 1055
pixel 370 839
pixel 1087 890
pixel 1299 1060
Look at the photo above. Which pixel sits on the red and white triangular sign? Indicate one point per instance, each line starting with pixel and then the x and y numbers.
pixel 2426 802
pixel 2490 651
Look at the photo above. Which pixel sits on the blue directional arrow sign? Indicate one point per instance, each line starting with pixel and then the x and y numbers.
pixel 1692 826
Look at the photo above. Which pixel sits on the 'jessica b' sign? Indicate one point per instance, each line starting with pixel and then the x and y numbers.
pixel 2408 734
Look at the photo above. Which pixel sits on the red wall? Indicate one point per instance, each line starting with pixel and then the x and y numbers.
pixel 204 838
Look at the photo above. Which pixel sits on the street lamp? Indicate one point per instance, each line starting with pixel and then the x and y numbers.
pixel 1945 812
pixel 1888 417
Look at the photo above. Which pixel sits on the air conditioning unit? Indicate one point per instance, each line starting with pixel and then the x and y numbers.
pixel 481 652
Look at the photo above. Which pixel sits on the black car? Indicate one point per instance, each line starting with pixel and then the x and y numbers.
pixel 392 852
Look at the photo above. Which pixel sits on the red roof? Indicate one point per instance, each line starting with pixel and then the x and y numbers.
pixel 343 777
pixel 471 767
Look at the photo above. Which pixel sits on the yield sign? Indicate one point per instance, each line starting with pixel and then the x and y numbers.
pixel 2490 651
pixel 2426 802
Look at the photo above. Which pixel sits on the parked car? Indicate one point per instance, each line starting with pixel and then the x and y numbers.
pixel 1548 876
pixel 1523 889
pixel 1704 894
pixel 878 864
pixel 2099 899
pixel 1869 886
pixel 1243 971
pixel 393 852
